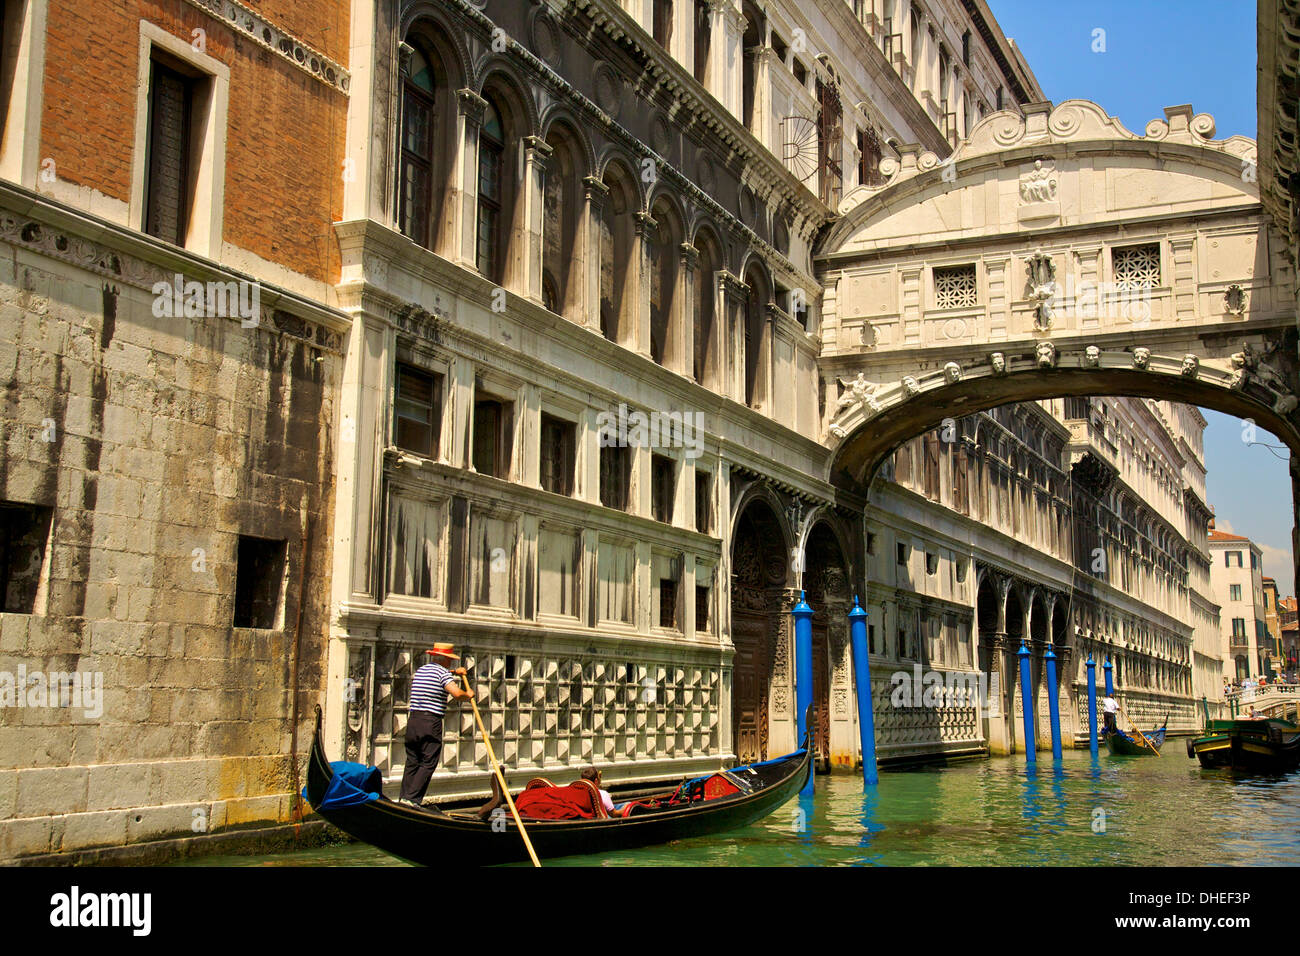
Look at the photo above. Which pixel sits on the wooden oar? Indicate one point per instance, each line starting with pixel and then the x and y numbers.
pixel 501 777
pixel 1137 729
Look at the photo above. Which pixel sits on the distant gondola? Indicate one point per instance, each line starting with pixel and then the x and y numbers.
pixel 433 835
pixel 1124 745
pixel 1255 744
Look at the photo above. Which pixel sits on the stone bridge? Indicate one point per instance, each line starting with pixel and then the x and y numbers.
pixel 1055 254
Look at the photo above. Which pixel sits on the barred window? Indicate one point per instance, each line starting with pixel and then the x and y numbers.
pixel 954 287
pixel 1137 267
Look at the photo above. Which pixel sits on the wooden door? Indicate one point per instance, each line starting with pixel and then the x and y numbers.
pixel 749 686
pixel 821 732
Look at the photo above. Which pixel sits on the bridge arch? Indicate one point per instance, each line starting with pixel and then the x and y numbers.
pixel 1052 256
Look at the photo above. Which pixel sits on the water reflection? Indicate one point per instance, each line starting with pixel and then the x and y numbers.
pixel 1116 811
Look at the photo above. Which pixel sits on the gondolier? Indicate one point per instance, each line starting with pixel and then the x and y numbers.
pixel 430 687
pixel 1109 707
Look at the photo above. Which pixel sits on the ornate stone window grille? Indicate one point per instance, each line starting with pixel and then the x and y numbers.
pixel 954 287
pixel 1137 267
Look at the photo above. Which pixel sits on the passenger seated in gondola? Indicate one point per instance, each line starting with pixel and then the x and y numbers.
pixel 593 775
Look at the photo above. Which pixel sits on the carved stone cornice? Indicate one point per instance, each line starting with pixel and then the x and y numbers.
pixel 251 25
pixel 130 258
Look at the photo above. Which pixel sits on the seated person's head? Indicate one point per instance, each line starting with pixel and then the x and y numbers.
pixel 592 774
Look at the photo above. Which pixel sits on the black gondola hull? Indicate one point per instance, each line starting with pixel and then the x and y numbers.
pixel 433 838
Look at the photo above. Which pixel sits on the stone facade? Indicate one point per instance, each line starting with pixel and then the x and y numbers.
pixel 1236 574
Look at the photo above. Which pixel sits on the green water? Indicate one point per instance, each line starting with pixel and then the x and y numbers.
pixel 1120 811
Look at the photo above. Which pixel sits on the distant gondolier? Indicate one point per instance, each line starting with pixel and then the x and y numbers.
pixel 1110 707
pixel 430 687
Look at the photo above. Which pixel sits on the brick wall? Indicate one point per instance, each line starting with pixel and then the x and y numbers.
pixel 285 129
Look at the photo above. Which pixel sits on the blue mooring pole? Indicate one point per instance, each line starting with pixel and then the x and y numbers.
pixel 1053 703
pixel 1092 705
pixel 1110 677
pixel 1026 699
pixel 803 682
pixel 862 680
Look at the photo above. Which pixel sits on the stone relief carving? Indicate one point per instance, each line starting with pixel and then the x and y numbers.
pixel 910 385
pixel 857 392
pixel 1042 288
pixel 1046 354
pixel 1248 363
pixel 952 373
pixel 1092 355
pixel 1191 364
pixel 1234 299
pixel 1038 184
pixel 1141 358
pixel 998 361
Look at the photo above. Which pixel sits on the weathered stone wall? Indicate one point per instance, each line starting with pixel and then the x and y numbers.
pixel 156 442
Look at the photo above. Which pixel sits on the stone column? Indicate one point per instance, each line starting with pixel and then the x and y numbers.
pixel 464 198
pixel 1002 729
pixel 729 319
pixel 595 195
pixel 726 30
pixel 639 311
pixel 682 326
pixel 536 154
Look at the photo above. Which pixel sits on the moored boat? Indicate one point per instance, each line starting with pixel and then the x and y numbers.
pixel 1126 745
pixel 433 835
pixel 1261 744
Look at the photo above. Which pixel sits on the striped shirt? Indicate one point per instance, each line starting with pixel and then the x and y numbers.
pixel 429 688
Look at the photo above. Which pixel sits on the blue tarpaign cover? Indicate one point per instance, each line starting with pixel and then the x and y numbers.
pixel 352 784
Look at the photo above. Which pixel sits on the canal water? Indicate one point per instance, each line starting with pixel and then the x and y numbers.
pixel 1116 811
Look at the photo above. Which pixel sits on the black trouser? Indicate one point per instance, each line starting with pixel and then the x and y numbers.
pixel 423 748
pixel 1108 716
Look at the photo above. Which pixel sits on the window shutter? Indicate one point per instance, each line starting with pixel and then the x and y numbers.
pixel 169 135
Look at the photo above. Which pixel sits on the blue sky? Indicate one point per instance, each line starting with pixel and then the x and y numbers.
pixel 1160 54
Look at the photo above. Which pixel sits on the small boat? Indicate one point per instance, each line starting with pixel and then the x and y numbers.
pixel 1122 744
pixel 713 803
pixel 1248 743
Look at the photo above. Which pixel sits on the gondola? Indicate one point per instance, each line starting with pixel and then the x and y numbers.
pixel 1252 744
pixel 1124 745
pixel 430 836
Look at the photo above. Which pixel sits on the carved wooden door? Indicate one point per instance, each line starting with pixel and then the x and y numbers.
pixel 749 686
pixel 821 700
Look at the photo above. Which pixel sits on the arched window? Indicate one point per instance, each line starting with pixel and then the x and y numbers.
pixel 426 127
pixel 617 255
pixel 561 208
pixel 490 253
pixel 756 345
pixel 665 256
pixel 417 149
pixel 704 338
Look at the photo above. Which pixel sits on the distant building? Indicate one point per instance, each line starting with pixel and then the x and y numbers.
pixel 1289 623
pixel 1238 588
pixel 1272 627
